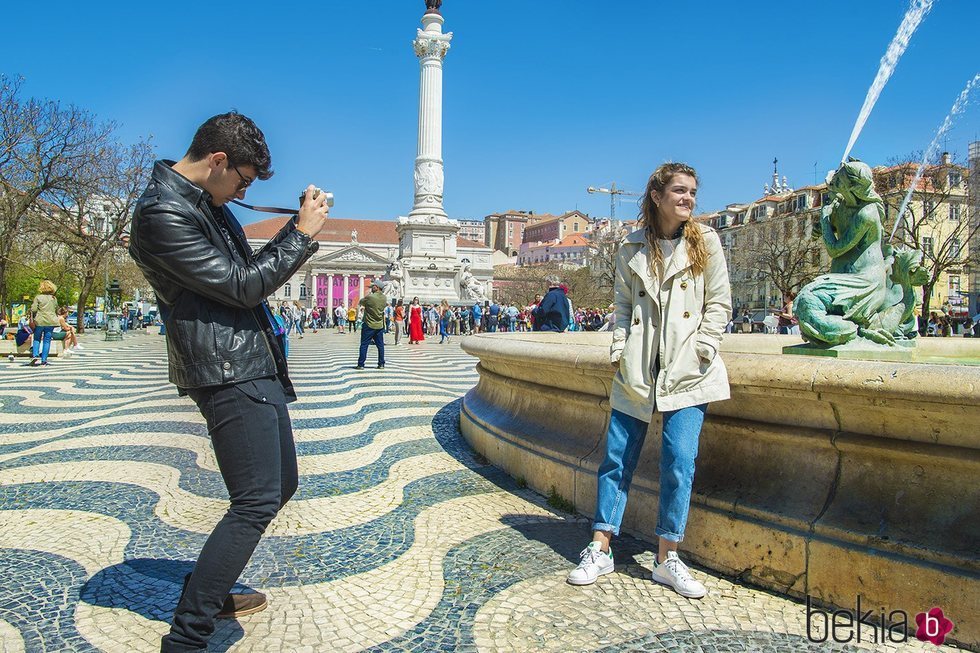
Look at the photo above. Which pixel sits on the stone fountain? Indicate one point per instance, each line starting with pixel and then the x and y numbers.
pixel 848 473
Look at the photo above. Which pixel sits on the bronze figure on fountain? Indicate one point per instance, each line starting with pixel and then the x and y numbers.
pixel 867 295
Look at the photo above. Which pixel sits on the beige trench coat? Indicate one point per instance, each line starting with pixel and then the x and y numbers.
pixel 695 310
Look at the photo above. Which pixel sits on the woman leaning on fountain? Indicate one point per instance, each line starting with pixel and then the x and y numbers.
pixel 672 300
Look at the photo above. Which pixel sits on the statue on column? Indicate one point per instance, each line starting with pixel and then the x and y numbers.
pixel 432 6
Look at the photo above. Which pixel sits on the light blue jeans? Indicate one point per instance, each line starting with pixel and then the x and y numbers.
pixel 624 440
pixel 42 342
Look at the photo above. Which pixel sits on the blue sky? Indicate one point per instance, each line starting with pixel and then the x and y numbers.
pixel 541 98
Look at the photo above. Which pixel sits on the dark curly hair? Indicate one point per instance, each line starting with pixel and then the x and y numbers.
pixel 238 137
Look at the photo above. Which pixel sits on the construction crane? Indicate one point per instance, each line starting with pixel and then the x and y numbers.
pixel 612 191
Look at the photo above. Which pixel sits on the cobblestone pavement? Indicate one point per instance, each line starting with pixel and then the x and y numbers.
pixel 399 538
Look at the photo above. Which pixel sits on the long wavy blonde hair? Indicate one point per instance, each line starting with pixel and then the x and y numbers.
pixel 697 251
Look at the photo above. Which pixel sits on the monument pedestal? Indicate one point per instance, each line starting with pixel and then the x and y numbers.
pixel 428 256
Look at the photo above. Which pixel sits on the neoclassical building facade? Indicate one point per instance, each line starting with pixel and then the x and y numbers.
pixel 352 254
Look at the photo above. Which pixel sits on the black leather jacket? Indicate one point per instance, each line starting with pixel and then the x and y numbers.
pixel 210 285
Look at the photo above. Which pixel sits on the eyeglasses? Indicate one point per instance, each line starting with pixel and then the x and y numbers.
pixel 245 181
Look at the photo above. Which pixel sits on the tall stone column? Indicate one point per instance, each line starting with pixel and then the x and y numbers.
pixel 431 46
pixel 346 291
pixel 329 279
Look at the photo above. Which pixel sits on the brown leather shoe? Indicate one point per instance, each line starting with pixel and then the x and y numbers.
pixel 239 605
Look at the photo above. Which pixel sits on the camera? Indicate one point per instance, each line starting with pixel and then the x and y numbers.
pixel 316 194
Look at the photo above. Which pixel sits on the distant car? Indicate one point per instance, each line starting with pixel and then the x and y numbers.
pixel 88 319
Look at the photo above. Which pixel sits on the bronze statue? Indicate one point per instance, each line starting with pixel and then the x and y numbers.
pixel 868 293
pixel 432 6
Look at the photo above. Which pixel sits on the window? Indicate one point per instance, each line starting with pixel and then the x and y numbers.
pixel 302 291
pixel 287 290
pixel 759 212
pixel 955 178
pixel 575 227
pixel 927 245
pixel 928 207
pixel 800 202
pixel 954 248
pixel 825 199
pixel 954 285
pixel 954 211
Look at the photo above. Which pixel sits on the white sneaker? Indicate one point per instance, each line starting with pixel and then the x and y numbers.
pixel 675 573
pixel 593 563
pixel 79 347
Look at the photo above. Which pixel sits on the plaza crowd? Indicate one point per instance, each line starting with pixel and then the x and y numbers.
pixel 445 319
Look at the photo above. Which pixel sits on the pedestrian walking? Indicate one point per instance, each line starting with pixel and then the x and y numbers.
pixel 299 318
pixel 477 312
pixel 225 350
pixel 672 299
pixel 399 320
pixel 44 315
pixel 373 328
pixel 340 316
pixel 351 319
pixel 444 316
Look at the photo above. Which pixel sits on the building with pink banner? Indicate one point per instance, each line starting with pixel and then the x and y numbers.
pixel 353 253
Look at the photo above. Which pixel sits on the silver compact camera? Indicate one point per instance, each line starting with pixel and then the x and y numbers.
pixel 316 194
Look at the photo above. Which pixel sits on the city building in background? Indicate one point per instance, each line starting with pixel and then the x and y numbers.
pixel 573 249
pixel 555 227
pixel 973 207
pixel 473 230
pixel 505 231
pixel 352 254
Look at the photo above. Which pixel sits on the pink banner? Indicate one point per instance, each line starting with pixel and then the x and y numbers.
pixel 321 290
pixel 353 289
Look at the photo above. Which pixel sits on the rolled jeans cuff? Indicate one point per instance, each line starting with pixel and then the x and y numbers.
pixel 599 526
pixel 667 535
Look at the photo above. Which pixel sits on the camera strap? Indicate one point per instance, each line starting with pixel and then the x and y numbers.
pixel 266 209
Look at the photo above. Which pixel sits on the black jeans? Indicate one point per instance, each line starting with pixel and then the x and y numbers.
pixel 253 445
pixel 369 335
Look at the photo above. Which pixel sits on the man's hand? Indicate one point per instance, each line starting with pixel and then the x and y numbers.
pixel 312 212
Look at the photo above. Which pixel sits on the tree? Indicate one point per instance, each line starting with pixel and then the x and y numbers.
pixel 788 261
pixel 604 241
pixel 937 220
pixel 42 144
pixel 91 212
pixel 518 285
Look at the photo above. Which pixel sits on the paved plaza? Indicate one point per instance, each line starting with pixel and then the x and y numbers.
pixel 399 538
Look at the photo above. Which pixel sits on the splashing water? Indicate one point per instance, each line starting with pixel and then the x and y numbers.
pixel 961 103
pixel 917 11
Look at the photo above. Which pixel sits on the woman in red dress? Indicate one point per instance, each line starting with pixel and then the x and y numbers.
pixel 415 334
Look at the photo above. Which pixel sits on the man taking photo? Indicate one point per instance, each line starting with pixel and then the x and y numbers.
pixel 225 350
pixel 374 325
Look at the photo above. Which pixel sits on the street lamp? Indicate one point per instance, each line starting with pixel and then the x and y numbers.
pixel 113 329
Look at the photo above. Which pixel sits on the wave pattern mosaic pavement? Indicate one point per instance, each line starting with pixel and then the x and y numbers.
pixel 399 538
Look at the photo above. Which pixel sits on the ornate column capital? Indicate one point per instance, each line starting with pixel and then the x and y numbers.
pixel 430 45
